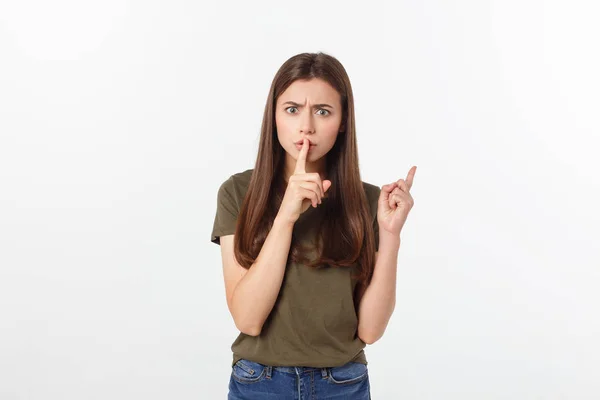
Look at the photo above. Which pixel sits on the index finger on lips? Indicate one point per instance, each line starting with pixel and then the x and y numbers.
pixel 301 161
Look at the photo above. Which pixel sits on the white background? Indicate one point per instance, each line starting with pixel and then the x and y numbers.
pixel 120 119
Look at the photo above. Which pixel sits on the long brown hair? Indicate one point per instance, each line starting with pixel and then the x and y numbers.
pixel 345 236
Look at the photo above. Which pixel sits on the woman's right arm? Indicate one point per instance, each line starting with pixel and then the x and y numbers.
pixel 251 293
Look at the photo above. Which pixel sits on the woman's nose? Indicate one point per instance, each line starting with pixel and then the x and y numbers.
pixel 307 123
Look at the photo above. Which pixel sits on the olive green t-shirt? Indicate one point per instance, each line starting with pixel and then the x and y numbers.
pixel 313 322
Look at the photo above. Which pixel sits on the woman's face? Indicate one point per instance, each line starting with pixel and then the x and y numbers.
pixel 308 109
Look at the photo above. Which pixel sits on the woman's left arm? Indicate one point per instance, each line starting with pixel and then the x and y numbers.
pixel 379 299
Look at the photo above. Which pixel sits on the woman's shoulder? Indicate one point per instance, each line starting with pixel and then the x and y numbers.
pixel 238 180
pixel 371 190
pixel 242 175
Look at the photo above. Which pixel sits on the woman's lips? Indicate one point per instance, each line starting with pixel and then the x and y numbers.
pixel 299 146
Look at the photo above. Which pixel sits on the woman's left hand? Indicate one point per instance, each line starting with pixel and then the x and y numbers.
pixel 394 204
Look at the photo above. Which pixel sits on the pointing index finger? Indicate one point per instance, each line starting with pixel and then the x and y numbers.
pixel 301 161
pixel 410 176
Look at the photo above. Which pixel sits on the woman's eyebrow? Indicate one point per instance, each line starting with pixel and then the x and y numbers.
pixel 314 105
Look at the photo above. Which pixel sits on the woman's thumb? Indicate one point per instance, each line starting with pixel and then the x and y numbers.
pixel 326 185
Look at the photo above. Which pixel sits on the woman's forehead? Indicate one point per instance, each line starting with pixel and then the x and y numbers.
pixel 314 91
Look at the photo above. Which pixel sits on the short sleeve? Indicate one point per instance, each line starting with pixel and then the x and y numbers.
pixel 226 213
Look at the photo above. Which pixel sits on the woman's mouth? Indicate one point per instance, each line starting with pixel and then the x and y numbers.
pixel 299 146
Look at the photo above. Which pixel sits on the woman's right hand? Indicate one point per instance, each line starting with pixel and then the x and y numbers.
pixel 303 189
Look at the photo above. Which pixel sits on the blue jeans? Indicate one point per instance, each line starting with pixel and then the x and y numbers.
pixel 253 381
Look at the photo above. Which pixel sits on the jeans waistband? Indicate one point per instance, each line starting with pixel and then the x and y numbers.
pixel 295 370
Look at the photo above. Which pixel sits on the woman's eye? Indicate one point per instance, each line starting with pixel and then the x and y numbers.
pixel 289 108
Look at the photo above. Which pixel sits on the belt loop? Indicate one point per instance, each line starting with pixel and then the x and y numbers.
pixel 269 371
pixel 324 372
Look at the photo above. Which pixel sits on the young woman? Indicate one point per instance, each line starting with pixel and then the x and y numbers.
pixel 309 250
